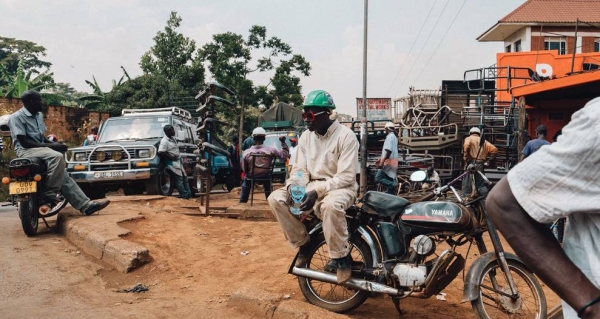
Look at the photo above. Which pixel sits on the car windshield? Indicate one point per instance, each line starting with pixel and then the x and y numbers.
pixel 273 140
pixel 128 128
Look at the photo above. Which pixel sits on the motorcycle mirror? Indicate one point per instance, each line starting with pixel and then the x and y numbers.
pixel 418 176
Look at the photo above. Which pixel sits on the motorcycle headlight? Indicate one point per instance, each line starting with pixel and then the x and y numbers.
pixel 80 157
pixel 100 156
pixel 143 153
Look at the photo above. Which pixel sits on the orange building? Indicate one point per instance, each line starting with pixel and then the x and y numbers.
pixel 551 61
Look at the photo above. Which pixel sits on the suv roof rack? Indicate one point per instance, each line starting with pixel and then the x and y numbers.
pixel 183 114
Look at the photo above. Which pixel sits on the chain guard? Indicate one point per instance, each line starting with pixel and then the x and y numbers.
pixel 446 268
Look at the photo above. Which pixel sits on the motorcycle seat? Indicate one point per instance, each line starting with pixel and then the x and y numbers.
pixel 38 165
pixel 386 205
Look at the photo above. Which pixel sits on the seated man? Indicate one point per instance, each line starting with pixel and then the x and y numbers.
pixel 258 135
pixel 27 130
pixel 327 157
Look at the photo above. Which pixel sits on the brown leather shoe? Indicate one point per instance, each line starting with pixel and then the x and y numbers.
pixel 303 255
pixel 344 269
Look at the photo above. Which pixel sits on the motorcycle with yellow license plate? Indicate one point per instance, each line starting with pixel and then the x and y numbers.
pixel 26 184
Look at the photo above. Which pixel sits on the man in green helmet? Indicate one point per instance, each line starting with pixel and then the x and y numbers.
pixel 327 157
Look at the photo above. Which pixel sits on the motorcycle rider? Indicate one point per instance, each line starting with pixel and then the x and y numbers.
pixel 326 156
pixel 473 155
pixel 27 130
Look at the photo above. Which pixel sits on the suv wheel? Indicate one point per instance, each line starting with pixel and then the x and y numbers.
pixel 161 183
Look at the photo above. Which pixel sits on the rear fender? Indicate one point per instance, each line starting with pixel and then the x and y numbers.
pixel 473 277
pixel 367 235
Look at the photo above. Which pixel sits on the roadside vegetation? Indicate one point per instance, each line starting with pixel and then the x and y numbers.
pixel 174 70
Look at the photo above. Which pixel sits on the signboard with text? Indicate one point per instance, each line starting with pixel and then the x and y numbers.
pixel 377 108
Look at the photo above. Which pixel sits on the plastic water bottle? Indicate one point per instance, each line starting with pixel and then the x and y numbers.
pixel 297 192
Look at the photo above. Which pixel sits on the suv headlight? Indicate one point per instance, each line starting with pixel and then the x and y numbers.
pixel 80 157
pixel 144 154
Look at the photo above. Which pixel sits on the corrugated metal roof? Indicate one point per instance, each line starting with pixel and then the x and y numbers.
pixel 555 11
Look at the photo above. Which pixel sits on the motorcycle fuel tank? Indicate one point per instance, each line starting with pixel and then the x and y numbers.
pixel 437 215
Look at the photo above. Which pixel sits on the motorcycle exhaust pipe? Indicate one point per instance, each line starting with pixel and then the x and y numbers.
pixel 355 283
pixel 44 210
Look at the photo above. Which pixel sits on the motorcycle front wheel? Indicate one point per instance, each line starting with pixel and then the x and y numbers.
pixel 495 299
pixel 334 297
pixel 29 215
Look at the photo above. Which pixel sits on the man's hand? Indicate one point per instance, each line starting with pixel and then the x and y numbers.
pixel 58 147
pixel 379 163
pixel 309 201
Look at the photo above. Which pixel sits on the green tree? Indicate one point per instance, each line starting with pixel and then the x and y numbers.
pixel 143 92
pixel 99 100
pixel 174 58
pixel 12 51
pixel 25 80
pixel 230 59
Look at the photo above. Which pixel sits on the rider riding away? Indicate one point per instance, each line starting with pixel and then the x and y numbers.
pixel 27 130
pixel 327 157
pixel 473 155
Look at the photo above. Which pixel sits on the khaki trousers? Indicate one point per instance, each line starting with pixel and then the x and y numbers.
pixel 331 209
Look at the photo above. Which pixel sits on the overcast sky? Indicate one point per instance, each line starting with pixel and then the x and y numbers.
pixel 94 38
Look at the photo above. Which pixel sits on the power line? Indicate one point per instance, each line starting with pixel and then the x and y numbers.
pixel 411 48
pixel 442 40
pixel 424 45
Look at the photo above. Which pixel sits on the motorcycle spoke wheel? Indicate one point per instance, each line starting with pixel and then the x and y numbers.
pixel 334 297
pixel 495 300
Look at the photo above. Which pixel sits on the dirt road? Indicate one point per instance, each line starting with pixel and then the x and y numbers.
pixel 198 263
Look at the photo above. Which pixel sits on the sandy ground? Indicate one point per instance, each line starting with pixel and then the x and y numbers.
pixel 198 262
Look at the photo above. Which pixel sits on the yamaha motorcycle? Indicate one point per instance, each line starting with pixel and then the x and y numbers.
pixel 393 248
pixel 26 185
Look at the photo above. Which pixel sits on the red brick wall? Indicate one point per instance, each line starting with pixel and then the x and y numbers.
pixel 68 123
pixel 537 43
pixel 587 44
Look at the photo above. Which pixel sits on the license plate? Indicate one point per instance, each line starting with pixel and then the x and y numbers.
pixel 16 188
pixel 109 174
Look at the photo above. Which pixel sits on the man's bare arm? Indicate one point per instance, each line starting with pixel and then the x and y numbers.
pixel 536 246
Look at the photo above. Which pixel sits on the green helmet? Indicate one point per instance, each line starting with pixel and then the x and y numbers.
pixel 319 98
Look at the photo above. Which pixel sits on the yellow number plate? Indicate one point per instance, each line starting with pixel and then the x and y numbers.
pixel 16 188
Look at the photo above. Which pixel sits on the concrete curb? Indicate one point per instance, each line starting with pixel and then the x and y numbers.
pixel 260 304
pixel 100 237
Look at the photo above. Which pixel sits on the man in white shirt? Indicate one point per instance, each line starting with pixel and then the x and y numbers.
pixel 326 156
pixel 559 180
pixel 169 153
pixel 388 162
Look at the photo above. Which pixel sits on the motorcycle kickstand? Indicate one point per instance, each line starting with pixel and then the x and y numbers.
pixel 396 302
pixel 45 222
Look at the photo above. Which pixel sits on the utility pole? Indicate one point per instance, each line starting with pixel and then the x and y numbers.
pixel 363 122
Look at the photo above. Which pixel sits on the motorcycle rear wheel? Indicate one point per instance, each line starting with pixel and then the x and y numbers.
pixel 29 215
pixel 334 297
pixel 492 304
